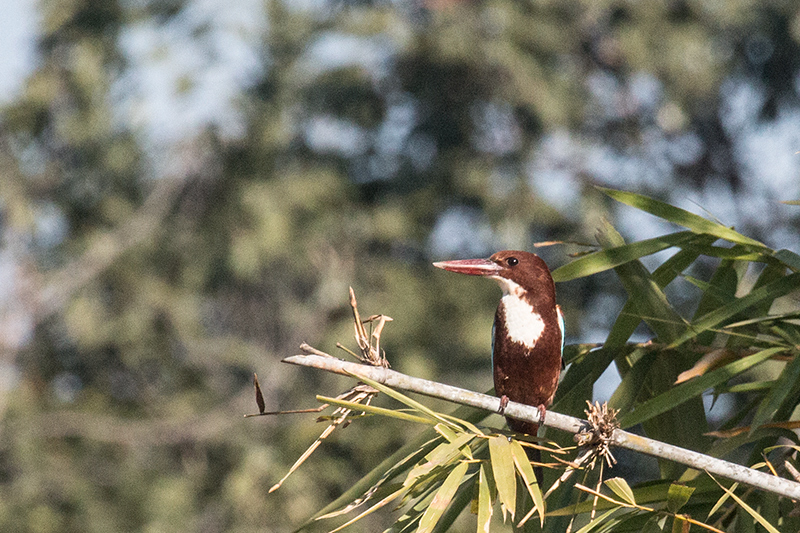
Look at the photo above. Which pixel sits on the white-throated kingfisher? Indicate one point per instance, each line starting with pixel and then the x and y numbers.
pixel 528 333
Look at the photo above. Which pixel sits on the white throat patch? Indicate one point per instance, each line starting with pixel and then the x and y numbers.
pixel 523 323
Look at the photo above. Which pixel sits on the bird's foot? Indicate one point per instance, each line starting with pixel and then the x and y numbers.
pixel 503 404
pixel 542 414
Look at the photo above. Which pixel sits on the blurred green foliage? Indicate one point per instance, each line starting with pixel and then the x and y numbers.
pixel 152 260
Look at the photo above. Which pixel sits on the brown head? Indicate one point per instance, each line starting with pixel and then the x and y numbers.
pixel 520 273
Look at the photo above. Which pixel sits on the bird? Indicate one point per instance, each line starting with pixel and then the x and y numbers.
pixel 528 332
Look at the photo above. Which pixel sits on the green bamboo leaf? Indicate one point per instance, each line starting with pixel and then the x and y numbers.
pixel 472 428
pixel 446 432
pixel 441 455
pixel 788 258
pixel 624 326
pixel 371 482
pixel 699 283
pixel 678 496
pixel 738 252
pixel 627 320
pixel 448 449
pixel 424 495
pixel 505 478
pixel 720 289
pixel 781 388
pixel 649 301
pixel 405 524
pixel 691 250
pixel 579 379
pixel 788 332
pixel 609 258
pixel 649 493
pixel 751 386
pixel 770 510
pixel 597 521
pixel 442 499
pixel 694 387
pixel 714 319
pixel 410 519
pixel 529 478
pixel 721 501
pixel 626 393
pixel 681 217
pixel 761 319
pixel 457 505
pixel 788 406
pixel 484 502
pixel 631 522
pixel 391 413
pixel 655 525
pixel 402 398
pixel 397 463
pixel 752 512
pixel 574 353
pixel 388 499
pixel 421 492
pixel 683 426
pixel 770 274
pixel 621 488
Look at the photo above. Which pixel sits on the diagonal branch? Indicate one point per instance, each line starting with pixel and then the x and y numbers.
pixel 107 249
pixel 623 439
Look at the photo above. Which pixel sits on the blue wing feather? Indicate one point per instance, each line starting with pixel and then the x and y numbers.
pixel 563 328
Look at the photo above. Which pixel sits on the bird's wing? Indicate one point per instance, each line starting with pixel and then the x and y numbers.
pixel 562 327
pixel 494 327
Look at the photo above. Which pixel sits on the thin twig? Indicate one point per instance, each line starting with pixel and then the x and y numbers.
pixel 359 394
pixel 311 350
pixel 622 439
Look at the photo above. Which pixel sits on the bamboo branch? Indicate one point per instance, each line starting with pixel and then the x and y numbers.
pixel 623 439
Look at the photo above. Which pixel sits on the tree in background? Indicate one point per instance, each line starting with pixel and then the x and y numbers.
pixel 189 187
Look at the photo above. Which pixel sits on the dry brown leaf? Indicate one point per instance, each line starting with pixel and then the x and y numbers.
pixel 708 362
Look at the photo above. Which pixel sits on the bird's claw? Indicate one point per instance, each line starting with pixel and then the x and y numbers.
pixel 503 404
pixel 542 414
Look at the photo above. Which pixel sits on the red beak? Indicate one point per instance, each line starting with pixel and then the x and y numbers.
pixel 472 267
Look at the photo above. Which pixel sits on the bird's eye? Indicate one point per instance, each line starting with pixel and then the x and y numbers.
pixel 512 261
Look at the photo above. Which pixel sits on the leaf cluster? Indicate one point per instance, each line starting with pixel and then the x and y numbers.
pixel 742 340
pixel 458 463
